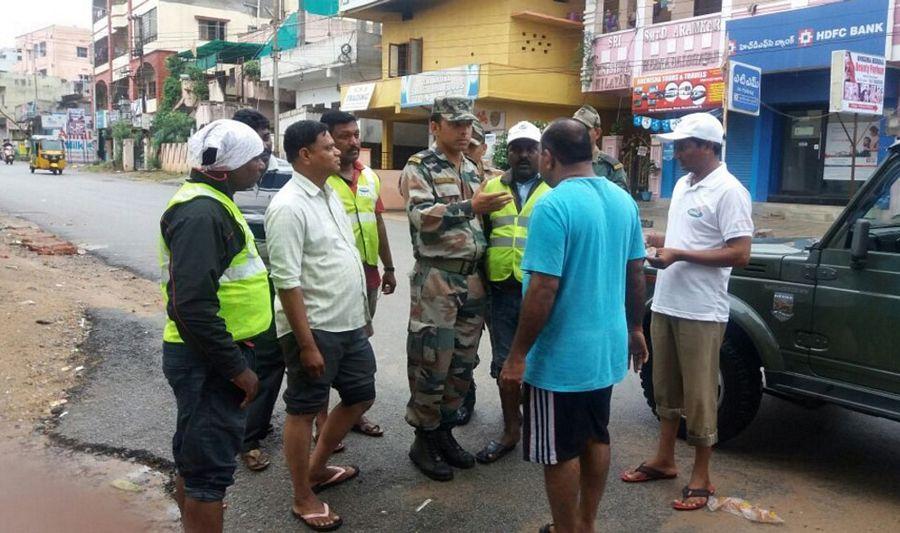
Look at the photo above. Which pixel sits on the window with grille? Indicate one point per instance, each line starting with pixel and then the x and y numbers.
pixel 81 51
pixel 148 28
pixel 211 30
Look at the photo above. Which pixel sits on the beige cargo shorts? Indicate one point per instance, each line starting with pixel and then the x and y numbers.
pixel 686 373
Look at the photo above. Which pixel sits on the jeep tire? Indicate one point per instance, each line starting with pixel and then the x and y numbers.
pixel 741 381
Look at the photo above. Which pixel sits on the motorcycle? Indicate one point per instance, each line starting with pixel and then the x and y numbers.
pixel 9 155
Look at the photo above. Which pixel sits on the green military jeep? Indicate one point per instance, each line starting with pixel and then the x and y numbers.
pixel 817 321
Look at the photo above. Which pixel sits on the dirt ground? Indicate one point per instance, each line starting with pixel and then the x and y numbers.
pixel 46 487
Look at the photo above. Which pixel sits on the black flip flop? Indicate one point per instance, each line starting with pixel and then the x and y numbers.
pixel 494 451
pixel 687 493
pixel 651 474
pixel 327 512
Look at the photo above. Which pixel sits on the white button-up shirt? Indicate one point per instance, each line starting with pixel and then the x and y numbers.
pixel 311 246
pixel 702 216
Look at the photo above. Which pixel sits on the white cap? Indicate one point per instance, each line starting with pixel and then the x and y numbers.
pixel 524 130
pixel 235 142
pixel 701 126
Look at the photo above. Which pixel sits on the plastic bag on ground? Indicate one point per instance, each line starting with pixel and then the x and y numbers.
pixel 741 507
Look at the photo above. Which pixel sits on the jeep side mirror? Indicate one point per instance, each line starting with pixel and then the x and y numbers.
pixel 859 246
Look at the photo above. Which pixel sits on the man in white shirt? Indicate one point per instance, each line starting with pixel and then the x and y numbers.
pixel 708 232
pixel 320 316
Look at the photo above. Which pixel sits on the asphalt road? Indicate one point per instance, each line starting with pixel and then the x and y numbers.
pixel 825 469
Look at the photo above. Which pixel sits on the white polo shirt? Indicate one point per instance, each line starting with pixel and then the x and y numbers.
pixel 702 217
pixel 311 246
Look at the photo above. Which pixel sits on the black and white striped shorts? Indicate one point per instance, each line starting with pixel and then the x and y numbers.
pixel 558 425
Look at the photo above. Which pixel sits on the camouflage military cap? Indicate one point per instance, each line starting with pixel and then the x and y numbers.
pixel 588 116
pixel 477 133
pixel 454 108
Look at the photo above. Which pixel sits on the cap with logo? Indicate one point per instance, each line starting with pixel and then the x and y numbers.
pixel 588 116
pixel 477 133
pixel 701 126
pixel 523 130
pixel 454 108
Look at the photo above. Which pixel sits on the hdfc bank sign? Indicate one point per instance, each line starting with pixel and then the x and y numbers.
pixel 805 38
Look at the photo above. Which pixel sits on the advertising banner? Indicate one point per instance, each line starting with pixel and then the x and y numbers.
pixel 693 90
pixel 53 121
pixel 612 66
pixel 839 150
pixel 805 38
pixel 744 86
pixel 422 89
pixel 76 124
pixel 358 97
pixel 857 83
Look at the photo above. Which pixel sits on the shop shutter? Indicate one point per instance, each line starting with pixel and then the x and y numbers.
pixel 739 155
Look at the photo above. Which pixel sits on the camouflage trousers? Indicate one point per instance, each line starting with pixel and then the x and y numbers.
pixel 445 322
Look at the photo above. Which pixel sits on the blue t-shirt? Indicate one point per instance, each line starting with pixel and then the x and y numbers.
pixel 583 232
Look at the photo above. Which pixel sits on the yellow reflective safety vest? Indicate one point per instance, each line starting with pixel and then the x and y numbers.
pixel 509 231
pixel 360 207
pixel 244 298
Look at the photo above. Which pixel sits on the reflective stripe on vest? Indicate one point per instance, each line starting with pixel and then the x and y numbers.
pixel 509 232
pixel 244 299
pixel 360 207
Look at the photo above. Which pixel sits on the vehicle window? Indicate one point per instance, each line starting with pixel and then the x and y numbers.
pixel 884 210
pixel 51 145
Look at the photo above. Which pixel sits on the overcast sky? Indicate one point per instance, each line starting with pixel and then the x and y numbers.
pixel 23 16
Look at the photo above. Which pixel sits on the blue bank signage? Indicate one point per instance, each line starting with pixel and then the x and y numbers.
pixel 805 38
pixel 744 82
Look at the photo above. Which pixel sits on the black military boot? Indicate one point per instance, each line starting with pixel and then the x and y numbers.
pixel 453 453
pixel 425 454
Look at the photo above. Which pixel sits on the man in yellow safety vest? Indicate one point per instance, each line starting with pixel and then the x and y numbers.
pixel 222 301
pixel 507 233
pixel 359 189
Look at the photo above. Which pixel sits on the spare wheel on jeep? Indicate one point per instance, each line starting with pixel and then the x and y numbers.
pixel 740 385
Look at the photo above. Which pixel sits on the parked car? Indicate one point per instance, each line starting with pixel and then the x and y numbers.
pixel 816 321
pixel 253 202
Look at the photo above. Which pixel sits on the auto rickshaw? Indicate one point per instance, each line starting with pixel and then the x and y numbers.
pixel 47 153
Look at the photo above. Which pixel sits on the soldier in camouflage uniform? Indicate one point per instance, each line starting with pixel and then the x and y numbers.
pixel 447 290
pixel 604 165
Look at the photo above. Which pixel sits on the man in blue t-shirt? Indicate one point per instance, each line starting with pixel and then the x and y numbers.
pixel 581 317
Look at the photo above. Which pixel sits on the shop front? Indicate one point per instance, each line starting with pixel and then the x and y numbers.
pixel 799 150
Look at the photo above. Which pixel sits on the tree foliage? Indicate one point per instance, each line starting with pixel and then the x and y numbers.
pixel 252 70
pixel 171 127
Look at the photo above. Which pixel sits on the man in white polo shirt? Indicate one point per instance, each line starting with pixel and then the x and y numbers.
pixel 708 232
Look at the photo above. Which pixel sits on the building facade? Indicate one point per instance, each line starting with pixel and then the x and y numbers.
pixel 519 60
pixel 133 38
pixel 670 58
pixel 59 51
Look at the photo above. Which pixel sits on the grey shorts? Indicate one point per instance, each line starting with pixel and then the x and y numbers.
pixel 349 369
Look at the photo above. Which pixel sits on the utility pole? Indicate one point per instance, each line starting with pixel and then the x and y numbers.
pixel 140 70
pixel 279 15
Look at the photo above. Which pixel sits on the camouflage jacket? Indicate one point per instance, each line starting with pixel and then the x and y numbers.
pixel 610 167
pixel 439 205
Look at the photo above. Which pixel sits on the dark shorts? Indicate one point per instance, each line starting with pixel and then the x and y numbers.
pixel 210 424
pixel 349 368
pixel 559 425
pixel 505 303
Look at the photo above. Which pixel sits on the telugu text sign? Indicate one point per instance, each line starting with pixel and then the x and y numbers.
pixel 744 86
pixel 692 90
pixel 804 38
